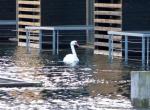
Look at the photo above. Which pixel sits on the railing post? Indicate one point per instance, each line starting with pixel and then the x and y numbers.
pixel 28 40
pixel 143 51
pixel 110 47
pixel 147 51
pixel 126 49
pixel 57 42
pixel 54 41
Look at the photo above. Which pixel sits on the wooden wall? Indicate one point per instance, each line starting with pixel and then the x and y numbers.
pixel 107 16
pixel 120 15
pixel 28 15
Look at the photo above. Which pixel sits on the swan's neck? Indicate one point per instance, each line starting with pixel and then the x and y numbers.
pixel 73 50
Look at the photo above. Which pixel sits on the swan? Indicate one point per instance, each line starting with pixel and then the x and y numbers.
pixel 71 59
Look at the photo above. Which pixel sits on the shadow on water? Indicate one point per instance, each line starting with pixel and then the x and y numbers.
pixel 94 77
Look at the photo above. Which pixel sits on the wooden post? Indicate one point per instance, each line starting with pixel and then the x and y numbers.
pixel 140 88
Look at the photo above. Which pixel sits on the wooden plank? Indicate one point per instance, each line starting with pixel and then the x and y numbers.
pixel 108 5
pixel 114 13
pixel 105 44
pixel 29 16
pixel 108 21
pixel 7 82
pixel 101 36
pixel 31 44
pixel 31 37
pixel 100 28
pixel 32 32
pixel 29 23
pixel 20 84
pixel 29 9
pixel 105 52
pixel 29 2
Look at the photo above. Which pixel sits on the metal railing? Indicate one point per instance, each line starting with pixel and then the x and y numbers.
pixel 143 35
pixel 55 34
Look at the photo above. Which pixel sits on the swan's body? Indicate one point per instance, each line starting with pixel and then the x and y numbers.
pixel 71 59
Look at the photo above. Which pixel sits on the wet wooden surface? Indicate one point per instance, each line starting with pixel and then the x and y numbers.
pixel 4 82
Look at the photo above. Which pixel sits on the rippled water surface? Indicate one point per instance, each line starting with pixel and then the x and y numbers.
pixel 92 85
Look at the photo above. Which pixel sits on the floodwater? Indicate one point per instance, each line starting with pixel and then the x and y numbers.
pixel 94 84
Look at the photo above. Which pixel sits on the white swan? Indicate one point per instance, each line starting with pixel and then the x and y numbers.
pixel 71 59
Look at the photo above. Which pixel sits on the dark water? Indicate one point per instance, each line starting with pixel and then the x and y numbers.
pixel 94 84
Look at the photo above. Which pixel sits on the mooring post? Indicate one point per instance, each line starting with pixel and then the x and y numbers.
pixel 57 42
pixel 54 42
pixel 140 88
pixel 110 48
pixel 126 49
pixel 143 51
pixel 40 40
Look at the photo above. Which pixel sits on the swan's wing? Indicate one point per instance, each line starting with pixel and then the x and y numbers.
pixel 70 58
pixel 67 58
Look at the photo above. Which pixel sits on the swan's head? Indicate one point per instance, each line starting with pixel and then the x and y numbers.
pixel 74 42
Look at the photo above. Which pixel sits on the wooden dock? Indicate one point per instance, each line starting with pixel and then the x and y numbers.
pixel 7 82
